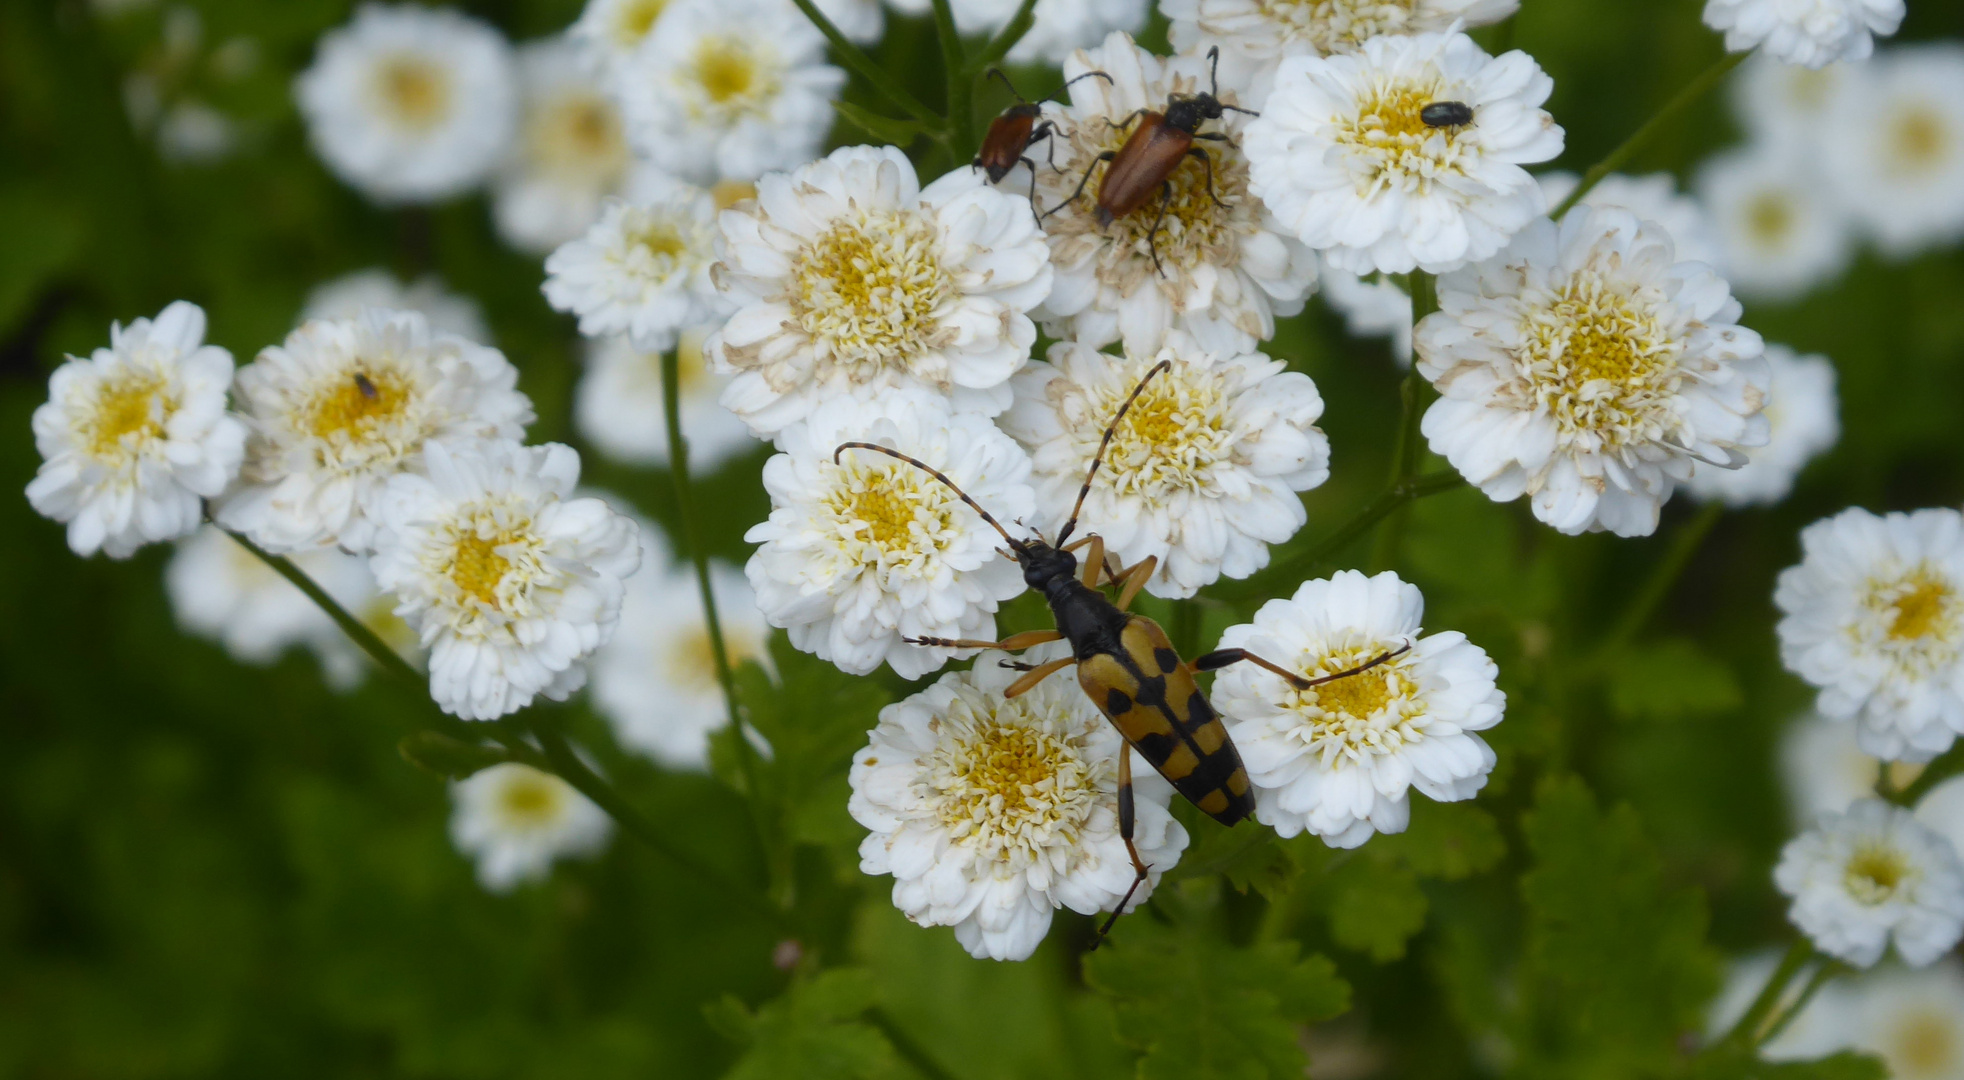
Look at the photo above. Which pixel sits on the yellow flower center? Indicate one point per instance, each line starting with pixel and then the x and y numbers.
pixel 1921 611
pixel 728 193
pixel 531 800
pixel 868 290
pixel 1922 1044
pixel 1358 696
pixel 131 404
pixel 1770 217
pixel 1398 148
pixel 579 133
pixel 1364 715
pixel 1919 139
pixel 477 568
pixel 354 405
pixel 1601 363
pixel 886 515
pixel 1874 874
pixel 661 239
pixel 731 73
pixel 634 19
pixel 1007 763
pixel 1340 25
pixel 1393 113
pixel 416 91
pixel 1171 437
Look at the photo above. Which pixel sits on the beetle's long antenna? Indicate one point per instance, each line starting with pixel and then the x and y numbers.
pixel 1080 78
pixel 1214 71
pixel 938 475
pixel 997 72
pixel 1099 458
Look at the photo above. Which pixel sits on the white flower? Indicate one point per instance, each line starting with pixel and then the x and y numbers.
pixel 1780 103
pixel 1339 760
pixel 1782 232
pixel 570 153
pixel 860 554
pixel 515 820
pixel 1811 33
pixel 223 592
pixel 1803 422
pixel 992 812
pixel 1941 808
pixel 618 405
pixel 1343 160
pixel 1255 35
pixel 1871 875
pixel 1898 159
pixel 1202 472
pixel 656 680
pixel 613 29
pixel 1588 369
pixel 1913 1020
pixel 1371 307
pixel 345 404
pixel 643 268
pixel 849 278
pixel 1873 617
pixel 409 103
pixel 1824 771
pixel 1652 197
pixel 347 296
pixel 509 581
pixel 729 90
pixel 133 438
pixel 1223 271
pixel 1060 27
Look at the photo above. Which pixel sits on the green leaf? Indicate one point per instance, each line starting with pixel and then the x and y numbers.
pixel 451 758
pixel 1846 1065
pixel 1617 968
pixel 1250 856
pixel 1446 840
pixel 814 717
pixel 1672 680
pixel 1197 1008
pixel 887 129
pixel 814 1030
pixel 1375 907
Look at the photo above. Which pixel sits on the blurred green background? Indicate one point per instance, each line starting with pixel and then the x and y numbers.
pixel 215 870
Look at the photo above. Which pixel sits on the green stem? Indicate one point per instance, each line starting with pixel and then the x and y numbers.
pixel 685 508
pixel 357 631
pixel 856 59
pixel 1619 157
pixel 1006 39
pixel 1943 767
pixel 1684 544
pixel 1745 1032
pixel 961 81
pixel 1827 971
pixel 1405 450
pixel 1310 558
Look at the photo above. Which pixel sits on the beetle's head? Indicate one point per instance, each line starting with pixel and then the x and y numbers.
pixel 1043 564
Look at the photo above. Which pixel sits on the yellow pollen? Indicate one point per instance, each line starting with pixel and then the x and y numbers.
pixel 1005 763
pixel 581 133
pixel 1394 114
pixel 1874 874
pixel 529 800
pixel 1359 696
pixel 726 69
pixel 870 289
pixel 635 19
pixel 1171 438
pixel 1921 611
pixel 1923 1044
pixel 691 370
pixel 1770 217
pixel 131 405
pixel 1339 25
pixel 347 406
pixel 887 515
pixel 416 90
pixel 662 239
pixel 1918 137
pixel 477 568
pixel 728 193
pixel 1601 363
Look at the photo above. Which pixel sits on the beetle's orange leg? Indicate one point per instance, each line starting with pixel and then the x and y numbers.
pixel 1036 675
pixel 1127 820
pixel 1221 658
pixel 1012 643
pixel 1207 161
pixel 1082 181
pixel 1094 561
pixel 1133 578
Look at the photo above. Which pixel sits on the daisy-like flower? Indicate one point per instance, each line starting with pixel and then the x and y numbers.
pixel 1898 162
pixel 860 554
pixel 1340 760
pixel 1255 35
pixel 1371 307
pixel 1217 269
pixel 515 821
pixel 570 153
pixel 347 296
pixel 1652 197
pixel 1874 617
pixel 1202 472
pixel 1873 875
pixel 1811 33
pixel 133 438
pixel 1588 369
pixel 618 405
pixel 1782 231
pixel 1824 771
pixel 342 406
pixel 849 278
pixel 613 29
pixel 992 812
pixel 729 90
pixel 1912 1020
pixel 1803 422
pixel 1343 160
pixel 509 580
pixel 1780 103
pixel 656 680
pixel 222 592
pixel 1060 27
pixel 643 268
pixel 409 103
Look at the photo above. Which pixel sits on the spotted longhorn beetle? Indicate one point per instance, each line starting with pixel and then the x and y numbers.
pixel 1125 662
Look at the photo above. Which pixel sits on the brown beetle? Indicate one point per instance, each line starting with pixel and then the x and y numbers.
pixel 1153 151
pixel 1013 133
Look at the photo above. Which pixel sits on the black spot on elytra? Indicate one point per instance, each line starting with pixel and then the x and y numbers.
pixel 1152 690
pixel 1156 747
pixel 1116 703
pixel 1199 710
pixel 1168 659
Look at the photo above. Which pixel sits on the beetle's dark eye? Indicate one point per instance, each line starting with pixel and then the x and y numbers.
pixel 1440 114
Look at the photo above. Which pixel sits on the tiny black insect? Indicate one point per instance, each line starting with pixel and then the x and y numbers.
pixel 367 388
pixel 1440 114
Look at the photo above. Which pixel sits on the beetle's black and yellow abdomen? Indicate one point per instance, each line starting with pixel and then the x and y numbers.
pixel 1142 685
